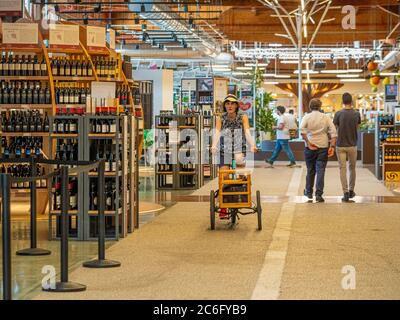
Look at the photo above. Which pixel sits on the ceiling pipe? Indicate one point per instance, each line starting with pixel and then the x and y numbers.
pixel 172 22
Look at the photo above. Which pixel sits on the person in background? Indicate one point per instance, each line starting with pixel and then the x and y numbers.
pixel 282 138
pixel 319 134
pixel 347 122
pixel 293 125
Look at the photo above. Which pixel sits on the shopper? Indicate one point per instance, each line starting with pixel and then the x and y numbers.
pixel 319 134
pixel 293 125
pixel 347 122
pixel 282 138
pixel 232 131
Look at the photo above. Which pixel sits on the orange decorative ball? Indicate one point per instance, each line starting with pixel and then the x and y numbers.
pixel 372 66
pixel 375 80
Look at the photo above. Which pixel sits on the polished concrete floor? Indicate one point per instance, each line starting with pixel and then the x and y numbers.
pixel 305 251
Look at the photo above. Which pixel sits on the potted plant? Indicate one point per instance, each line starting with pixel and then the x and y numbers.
pixel 264 117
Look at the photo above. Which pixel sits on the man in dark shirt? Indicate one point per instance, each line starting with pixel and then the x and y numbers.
pixel 347 122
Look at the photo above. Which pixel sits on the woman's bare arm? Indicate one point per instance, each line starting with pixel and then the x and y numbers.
pixel 217 134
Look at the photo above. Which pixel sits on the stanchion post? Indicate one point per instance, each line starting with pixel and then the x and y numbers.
pixel 64 285
pixel 33 250
pixel 6 232
pixel 101 262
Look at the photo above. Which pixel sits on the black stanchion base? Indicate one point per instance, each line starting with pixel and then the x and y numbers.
pixel 33 252
pixel 67 287
pixel 101 264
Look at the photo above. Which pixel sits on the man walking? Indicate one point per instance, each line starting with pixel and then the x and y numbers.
pixel 319 134
pixel 347 122
pixel 282 138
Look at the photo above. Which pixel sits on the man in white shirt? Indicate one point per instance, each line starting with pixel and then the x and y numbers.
pixel 319 134
pixel 282 138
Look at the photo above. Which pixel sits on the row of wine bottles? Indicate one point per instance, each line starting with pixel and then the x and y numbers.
pixel 110 194
pixel 392 155
pixel 71 66
pixel 21 147
pixel 21 65
pixel 389 136
pixel 103 126
pixel 386 120
pixel 67 150
pixel 105 67
pixel 106 149
pixel 72 93
pixel 72 191
pixel 26 92
pixel 24 121
pixel 24 171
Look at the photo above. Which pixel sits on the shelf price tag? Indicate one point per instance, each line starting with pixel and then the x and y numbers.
pixel 96 37
pixel 64 36
pixel 24 34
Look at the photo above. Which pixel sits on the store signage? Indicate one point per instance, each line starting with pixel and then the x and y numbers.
pixel 20 33
pixel 11 8
pixel 392 176
pixel 64 36
pixel 189 85
pixel 111 38
pixel 391 92
pixel 96 37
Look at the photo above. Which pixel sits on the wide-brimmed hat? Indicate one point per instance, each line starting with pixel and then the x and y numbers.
pixel 231 98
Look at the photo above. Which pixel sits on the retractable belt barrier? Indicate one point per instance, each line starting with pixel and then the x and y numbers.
pixel 5 185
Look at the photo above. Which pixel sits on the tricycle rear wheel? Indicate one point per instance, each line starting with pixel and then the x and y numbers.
pixel 259 210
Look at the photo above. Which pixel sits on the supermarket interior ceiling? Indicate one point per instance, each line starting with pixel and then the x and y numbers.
pixel 347 32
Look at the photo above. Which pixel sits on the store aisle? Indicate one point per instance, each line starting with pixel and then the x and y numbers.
pixel 176 256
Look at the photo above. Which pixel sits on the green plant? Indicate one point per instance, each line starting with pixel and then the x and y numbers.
pixel 264 114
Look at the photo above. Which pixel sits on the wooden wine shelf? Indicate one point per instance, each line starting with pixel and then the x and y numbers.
pixel 62 135
pixel 26 106
pixel 165 172
pixel 59 211
pixel 35 49
pixel 62 78
pixel 109 79
pixel 102 135
pixel 392 162
pixel 162 127
pixel 106 212
pixel 387 126
pixel 26 78
pixel 187 173
pixel 26 190
pixel 71 106
pixel 106 174
pixel 24 134
pixel 187 127
pixel 65 50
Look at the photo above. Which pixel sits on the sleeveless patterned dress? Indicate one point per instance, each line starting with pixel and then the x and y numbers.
pixel 232 135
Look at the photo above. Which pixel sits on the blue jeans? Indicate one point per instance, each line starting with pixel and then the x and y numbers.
pixel 282 144
pixel 316 161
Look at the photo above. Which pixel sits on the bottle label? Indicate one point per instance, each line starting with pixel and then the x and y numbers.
pixel 72 201
pixel 109 201
pixel 107 166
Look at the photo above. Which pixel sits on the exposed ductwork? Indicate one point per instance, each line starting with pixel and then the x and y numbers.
pixel 205 43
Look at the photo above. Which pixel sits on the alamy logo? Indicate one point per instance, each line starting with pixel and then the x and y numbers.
pixel 349 280
pixel 349 20
pixel 49 280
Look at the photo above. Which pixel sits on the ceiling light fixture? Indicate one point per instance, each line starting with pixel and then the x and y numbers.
pixel 352 80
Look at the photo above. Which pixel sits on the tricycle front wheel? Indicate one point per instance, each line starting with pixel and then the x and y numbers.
pixel 212 209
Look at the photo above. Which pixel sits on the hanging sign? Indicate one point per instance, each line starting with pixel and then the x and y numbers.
pixel 11 8
pixel 96 37
pixel 64 36
pixel 20 34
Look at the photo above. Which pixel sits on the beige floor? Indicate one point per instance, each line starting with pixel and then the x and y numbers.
pixel 176 256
